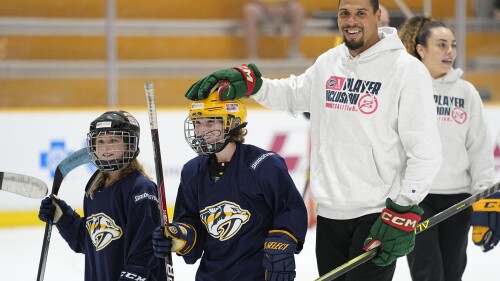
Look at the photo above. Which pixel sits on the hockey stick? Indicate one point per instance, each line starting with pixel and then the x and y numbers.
pixel 462 205
pixel 153 122
pixel 76 159
pixel 23 185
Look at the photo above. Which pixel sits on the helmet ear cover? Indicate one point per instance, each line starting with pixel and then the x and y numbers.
pixel 232 113
pixel 113 124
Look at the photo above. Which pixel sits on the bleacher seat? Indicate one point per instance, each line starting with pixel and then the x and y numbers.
pixel 55 50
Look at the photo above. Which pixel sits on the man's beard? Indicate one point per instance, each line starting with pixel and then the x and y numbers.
pixel 353 46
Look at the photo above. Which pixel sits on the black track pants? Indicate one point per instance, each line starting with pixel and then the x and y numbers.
pixel 440 251
pixel 338 241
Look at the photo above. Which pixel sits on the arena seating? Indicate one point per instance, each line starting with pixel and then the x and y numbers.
pixel 53 52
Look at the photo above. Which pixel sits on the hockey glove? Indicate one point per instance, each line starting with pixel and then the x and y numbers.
pixel 279 261
pixel 178 237
pixel 52 208
pixel 234 83
pixel 485 222
pixel 394 232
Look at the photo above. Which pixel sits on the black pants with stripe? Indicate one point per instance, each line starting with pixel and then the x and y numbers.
pixel 440 251
pixel 338 241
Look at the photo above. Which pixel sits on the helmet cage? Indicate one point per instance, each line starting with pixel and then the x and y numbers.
pixel 130 141
pixel 198 142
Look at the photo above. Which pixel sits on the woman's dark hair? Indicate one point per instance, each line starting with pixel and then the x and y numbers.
pixel 417 30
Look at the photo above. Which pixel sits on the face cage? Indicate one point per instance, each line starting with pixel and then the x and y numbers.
pixel 198 144
pixel 130 140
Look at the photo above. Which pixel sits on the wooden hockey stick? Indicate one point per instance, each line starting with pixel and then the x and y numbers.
pixel 23 185
pixel 462 205
pixel 153 122
pixel 76 159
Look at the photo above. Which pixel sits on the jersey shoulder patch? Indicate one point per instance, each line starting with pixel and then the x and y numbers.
pixel 255 164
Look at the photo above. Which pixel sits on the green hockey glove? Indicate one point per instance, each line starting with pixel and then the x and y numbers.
pixel 234 83
pixel 394 232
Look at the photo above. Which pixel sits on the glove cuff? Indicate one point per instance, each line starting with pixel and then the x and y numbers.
pixel 487 205
pixel 281 241
pixel 251 75
pixel 283 234
pixel 183 237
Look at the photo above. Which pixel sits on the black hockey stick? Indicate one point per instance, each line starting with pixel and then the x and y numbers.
pixel 462 205
pixel 76 159
pixel 153 122
pixel 23 185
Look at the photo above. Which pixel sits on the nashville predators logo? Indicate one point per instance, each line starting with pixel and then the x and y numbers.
pixel 102 230
pixel 223 220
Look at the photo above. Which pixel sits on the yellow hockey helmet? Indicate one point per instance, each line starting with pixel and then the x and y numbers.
pixel 206 139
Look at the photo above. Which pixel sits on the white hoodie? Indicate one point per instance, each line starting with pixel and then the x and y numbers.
pixel 373 126
pixel 468 163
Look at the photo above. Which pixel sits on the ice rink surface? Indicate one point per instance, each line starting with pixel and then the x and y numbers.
pixel 20 254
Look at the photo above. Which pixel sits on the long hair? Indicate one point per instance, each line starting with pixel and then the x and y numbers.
pixel 417 30
pixel 101 177
pixel 239 136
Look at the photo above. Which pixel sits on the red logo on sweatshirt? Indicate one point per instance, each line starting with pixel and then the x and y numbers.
pixel 368 104
pixel 459 115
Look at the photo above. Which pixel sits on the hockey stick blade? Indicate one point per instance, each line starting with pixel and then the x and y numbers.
pixel 422 226
pixel 78 158
pixel 23 185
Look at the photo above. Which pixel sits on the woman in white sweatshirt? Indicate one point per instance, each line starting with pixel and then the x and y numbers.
pixel 467 167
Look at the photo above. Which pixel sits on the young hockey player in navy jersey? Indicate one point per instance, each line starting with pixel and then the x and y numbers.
pixel 237 207
pixel 468 167
pixel 120 207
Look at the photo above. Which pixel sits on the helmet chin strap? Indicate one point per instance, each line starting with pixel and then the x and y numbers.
pixel 234 131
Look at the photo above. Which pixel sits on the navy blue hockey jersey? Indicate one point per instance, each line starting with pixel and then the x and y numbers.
pixel 115 232
pixel 233 215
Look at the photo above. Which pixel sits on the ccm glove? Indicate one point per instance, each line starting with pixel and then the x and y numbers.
pixel 394 232
pixel 52 208
pixel 178 237
pixel 279 261
pixel 485 222
pixel 234 83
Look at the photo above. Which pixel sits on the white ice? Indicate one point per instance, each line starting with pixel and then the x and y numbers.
pixel 20 253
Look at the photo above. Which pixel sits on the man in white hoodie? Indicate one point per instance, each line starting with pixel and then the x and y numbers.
pixel 375 147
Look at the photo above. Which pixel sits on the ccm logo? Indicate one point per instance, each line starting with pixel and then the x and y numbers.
pixel 132 276
pixel 406 222
pixel 248 72
pixel 492 204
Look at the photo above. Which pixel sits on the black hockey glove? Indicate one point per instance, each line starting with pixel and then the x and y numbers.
pixel 279 261
pixel 52 208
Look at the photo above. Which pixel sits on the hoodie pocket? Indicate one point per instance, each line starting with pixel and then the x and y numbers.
pixel 351 166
